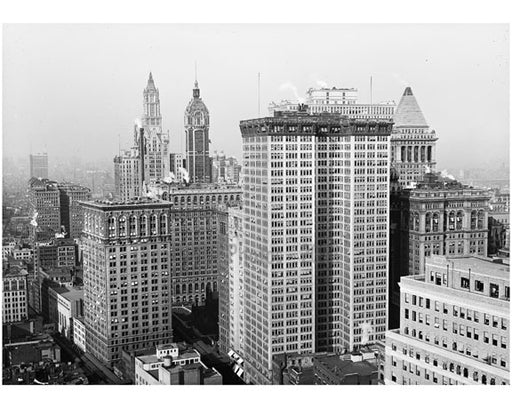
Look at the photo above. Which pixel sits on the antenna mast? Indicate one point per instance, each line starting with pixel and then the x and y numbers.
pixel 259 76
pixel 371 90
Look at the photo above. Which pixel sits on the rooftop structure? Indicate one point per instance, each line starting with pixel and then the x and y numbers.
pixel 174 364
pixel 454 324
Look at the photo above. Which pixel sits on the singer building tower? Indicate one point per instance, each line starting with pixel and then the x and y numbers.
pixel 197 125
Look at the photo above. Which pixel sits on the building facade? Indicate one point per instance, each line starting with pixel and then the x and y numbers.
pixel 197 142
pixel 231 282
pixel 44 199
pixel 127 281
pixel 439 217
pixel 72 217
pixel 454 325
pixel 343 101
pixel 316 197
pixel 39 165
pixel 14 295
pixel 413 142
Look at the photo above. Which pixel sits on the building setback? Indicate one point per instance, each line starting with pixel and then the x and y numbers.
pixel 438 217
pixel 454 325
pixel 316 196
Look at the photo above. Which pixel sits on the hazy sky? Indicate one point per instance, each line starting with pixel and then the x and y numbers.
pixel 72 89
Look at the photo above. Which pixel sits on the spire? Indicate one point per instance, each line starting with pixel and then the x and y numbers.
pixel 151 83
pixel 408 112
pixel 195 91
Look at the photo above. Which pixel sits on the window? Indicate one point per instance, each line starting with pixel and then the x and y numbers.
pixel 494 291
pixel 464 283
pixel 479 286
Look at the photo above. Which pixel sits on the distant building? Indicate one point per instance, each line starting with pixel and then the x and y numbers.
pixel 177 165
pixel 342 101
pixel 39 165
pixel 413 142
pixel 197 128
pixel 72 217
pixel 14 295
pixel 23 254
pixel 225 169
pixel 174 364
pixel 148 159
pixel 454 325
pixel 439 217
pixel 44 199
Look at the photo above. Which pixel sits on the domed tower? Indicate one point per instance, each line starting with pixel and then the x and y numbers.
pixel 197 125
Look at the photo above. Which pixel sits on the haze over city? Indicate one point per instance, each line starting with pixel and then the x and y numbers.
pixel 76 89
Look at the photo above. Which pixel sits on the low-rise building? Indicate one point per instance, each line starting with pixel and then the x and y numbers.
pixel 174 364
pixel 454 324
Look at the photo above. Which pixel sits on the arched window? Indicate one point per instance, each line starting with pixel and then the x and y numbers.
pixel 416 154
pixel 480 223
pixel 133 225
pixel 165 196
pixel 111 227
pixel 163 223
pixel 409 154
pixel 451 221
pixel 143 222
pixel 177 289
pixel 196 286
pixel 428 222
pixel 435 222
pixel 422 154
pixel 429 153
pixel 189 288
pixel 122 226
pixel 184 288
pixel 153 224
pixel 459 220
pixel 202 286
pixel 198 118
pixel 416 222
pixel 484 379
pixel 402 154
pixel 473 219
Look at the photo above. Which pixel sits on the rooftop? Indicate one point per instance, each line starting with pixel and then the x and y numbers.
pixel 408 112
pixel 478 265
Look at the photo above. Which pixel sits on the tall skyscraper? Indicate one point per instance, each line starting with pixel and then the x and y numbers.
pixel 413 142
pixel 156 149
pixel 454 325
pixel 127 281
pixel 197 134
pixel 148 158
pixel 438 217
pixel 316 196
pixel 39 165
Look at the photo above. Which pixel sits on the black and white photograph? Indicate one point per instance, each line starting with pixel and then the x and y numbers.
pixel 254 204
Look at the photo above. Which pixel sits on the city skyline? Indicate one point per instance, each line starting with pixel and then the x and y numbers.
pixel 472 84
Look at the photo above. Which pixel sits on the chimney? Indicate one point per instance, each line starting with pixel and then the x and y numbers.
pixel 167 361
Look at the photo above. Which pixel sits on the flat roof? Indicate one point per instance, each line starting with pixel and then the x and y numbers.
pixel 478 265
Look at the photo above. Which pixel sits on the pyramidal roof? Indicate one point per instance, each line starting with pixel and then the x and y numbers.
pixel 408 112
pixel 151 83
